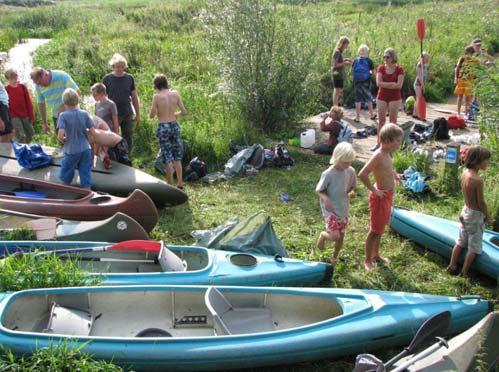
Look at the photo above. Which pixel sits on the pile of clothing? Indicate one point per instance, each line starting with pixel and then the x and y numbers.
pixel 415 181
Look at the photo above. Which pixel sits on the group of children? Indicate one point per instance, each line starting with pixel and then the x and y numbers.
pixel 83 136
pixel 339 180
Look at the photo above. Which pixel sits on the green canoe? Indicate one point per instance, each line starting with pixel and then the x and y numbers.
pixel 120 180
pixel 117 228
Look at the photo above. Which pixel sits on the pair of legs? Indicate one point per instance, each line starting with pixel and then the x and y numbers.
pixel 6 129
pixel 419 96
pixel 337 237
pixel 373 242
pixel 176 166
pixel 467 103
pixel 468 261
pixel 82 161
pixel 338 88
pixel 392 108
pixel 126 125
pixel 369 107
pixel 23 129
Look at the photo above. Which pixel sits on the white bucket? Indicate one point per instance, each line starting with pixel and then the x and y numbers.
pixel 307 138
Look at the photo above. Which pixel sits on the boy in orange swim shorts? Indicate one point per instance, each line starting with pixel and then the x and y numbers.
pixel 381 194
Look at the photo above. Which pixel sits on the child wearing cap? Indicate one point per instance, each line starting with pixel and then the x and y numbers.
pixel 333 188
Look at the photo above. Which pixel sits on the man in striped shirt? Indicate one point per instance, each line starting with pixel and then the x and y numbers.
pixel 49 86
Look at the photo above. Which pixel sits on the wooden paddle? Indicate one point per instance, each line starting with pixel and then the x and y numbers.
pixel 421 102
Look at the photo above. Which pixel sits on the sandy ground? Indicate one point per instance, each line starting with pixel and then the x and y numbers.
pixel 362 146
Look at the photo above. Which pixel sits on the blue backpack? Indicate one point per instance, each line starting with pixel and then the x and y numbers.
pixel 361 70
pixel 346 134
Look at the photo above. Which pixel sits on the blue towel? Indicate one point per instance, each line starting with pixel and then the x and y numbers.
pixel 31 156
pixel 414 180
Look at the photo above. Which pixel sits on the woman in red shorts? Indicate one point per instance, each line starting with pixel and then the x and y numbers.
pixel 389 77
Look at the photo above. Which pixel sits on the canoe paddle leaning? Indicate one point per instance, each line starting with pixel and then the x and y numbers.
pixel 436 325
pixel 421 28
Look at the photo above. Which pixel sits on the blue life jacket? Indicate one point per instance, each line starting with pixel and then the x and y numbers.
pixel 361 70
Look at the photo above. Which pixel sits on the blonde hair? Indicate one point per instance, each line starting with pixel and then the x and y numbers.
pixel 390 132
pixel 343 40
pixel 343 152
pixel 70 97
pixel 117 58
pixel 363 50
pixel 391 52
pixel 98 88
pixel 37 73
pixel 338 111
pixel 10 72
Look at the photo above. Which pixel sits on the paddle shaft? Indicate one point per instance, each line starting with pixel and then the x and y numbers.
pixel 104 259
pixel 428 351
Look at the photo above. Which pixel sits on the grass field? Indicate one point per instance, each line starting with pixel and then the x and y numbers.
pixel 168 37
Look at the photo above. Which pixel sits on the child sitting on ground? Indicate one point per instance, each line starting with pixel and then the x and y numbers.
pixel 332 124
pixel 72 126
pixel 105 108
pixel 333 188
pixel 474 214
pixel 21 111
pixel 381 194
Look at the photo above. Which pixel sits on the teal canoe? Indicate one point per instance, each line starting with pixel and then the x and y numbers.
pixel 440 235
pixel 120 180
pixel 150 262
pixel 213 328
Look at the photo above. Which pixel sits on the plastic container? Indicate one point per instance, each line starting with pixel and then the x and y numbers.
pixel 307 138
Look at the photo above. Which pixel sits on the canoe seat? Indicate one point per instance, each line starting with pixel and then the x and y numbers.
pixel 69 321
pixel 230 320
pixel 169 261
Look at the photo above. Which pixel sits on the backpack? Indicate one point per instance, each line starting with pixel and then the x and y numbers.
pixel 361 70
pixel 346 134
pixel 440 129
pixel 456 122
pixel 195 169
pixel 282 157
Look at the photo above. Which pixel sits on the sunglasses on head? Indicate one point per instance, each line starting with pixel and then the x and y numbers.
pixel 386 56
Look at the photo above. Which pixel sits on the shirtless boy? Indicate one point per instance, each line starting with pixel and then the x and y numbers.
pixel 474 214
pixel 381 193
pixel 164 105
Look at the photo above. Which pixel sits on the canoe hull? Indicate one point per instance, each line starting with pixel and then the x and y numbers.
pixel 385 319
pixel 78 204
pixel 440 235
pixel 218 268
pixel 476 346
pixel 117 228
pixel 120 180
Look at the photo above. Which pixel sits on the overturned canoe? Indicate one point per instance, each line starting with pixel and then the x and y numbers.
pixel 475 349
pixel 116 228
pixel 212 328
pixel 119 180
pixel 54 200
pixel 440 235
pixel 150 262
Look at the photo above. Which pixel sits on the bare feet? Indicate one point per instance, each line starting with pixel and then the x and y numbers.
pixel 320 243
pixel 383 260
pixel 368 265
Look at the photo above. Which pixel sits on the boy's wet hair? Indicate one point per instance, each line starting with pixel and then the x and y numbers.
pixel 70 97
pixel 475 156
pixel 10 72
pixel 160 82
pixel 390 132
pixel 98 88
pixel 338 111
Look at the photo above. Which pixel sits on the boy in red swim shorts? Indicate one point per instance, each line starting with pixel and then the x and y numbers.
pixel 381 194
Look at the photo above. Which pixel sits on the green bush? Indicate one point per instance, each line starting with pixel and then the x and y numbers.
pixel 62 357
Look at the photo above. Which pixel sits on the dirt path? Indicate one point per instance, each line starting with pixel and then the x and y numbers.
pixel 362 146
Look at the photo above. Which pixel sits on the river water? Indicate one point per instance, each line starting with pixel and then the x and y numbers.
pixel 20 58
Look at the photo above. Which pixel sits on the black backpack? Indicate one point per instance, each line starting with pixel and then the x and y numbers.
pixel 282 157
pixel 195 170
pixel 440 129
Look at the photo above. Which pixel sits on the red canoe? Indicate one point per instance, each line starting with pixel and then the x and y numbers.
pixel 73 203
